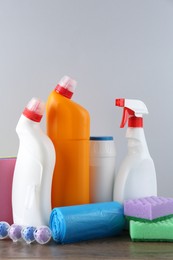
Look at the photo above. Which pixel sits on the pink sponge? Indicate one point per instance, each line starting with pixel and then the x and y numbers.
pixel 149 207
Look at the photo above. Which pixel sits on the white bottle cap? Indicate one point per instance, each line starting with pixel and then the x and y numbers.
pixel 36 105
pixel 68 83
pixel 66 87
pixel 34 109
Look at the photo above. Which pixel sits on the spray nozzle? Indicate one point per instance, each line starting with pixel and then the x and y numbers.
pixel 133 111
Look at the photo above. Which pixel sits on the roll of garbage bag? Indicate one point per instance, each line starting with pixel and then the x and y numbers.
pixel 85 222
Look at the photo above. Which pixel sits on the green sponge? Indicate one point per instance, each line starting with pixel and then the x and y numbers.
pixel 161 230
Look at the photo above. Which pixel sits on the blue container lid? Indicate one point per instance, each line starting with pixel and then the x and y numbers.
pixel 101 138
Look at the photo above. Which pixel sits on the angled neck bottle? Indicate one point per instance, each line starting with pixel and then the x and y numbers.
pixel 68 126
pixel 31 190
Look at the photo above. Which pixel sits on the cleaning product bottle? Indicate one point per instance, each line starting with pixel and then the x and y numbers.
pixel 102 168
pixel 31 189
pixel 68 126
pixel 137 176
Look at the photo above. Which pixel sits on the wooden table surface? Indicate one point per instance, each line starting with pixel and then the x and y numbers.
pixel 110 248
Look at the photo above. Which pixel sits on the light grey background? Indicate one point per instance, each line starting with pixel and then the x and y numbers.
pixel 113 48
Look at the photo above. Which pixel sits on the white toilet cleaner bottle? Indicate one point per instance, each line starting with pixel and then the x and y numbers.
pixel 136 177
pixel 32 180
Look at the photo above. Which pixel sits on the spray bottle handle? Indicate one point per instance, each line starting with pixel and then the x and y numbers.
pixel 126 113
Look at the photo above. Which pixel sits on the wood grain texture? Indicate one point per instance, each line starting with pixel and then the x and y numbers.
pixel 110 248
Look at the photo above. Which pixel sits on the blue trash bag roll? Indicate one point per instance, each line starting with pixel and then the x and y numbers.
pixel 85 222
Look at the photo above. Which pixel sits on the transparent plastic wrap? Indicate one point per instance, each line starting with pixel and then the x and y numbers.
pixel 85 222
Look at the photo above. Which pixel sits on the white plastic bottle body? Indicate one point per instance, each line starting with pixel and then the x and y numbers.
pixel 136 177
pixel 102 169
pixel 31 190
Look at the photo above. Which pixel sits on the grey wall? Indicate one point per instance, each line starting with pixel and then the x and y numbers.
pixel 113 48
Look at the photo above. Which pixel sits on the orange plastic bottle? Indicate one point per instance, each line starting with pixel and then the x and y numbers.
pixel 68 126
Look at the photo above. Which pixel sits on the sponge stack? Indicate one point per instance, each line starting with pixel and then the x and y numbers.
pixel 151 218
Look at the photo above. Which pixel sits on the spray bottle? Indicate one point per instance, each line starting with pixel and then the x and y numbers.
pixel 137 176
pixel 31 189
